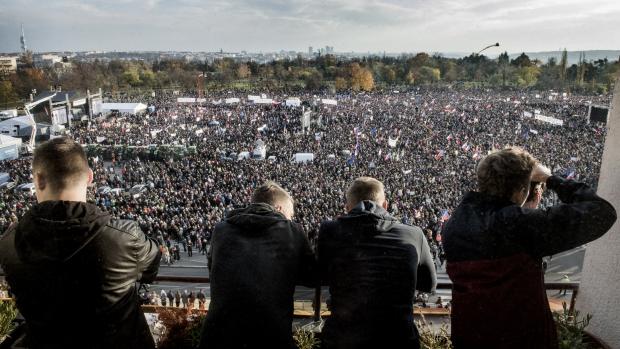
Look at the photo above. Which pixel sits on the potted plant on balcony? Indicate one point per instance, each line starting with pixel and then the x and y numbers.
pixel 8 313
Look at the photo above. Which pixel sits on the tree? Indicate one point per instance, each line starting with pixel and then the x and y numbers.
pixel 527 76
pixel 341 84
pixel 131 76
pixel 522 61
pixel 243 72
pixel 563 66
pixel 503 61
pixel 360 78
pixel 313 80
pixel 419 60
pixel 8 97
pixel 427 75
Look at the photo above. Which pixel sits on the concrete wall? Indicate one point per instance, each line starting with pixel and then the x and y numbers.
pixel 599 292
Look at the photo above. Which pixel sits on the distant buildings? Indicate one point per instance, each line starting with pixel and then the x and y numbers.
pixel 8 65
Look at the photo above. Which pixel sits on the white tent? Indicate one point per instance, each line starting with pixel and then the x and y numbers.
pixel 132 108
pixel 9 147
pixel 20 126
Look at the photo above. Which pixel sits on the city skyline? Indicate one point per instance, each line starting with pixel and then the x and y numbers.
pixel 270 26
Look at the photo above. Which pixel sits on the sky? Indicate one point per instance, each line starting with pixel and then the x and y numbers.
pixel 392 26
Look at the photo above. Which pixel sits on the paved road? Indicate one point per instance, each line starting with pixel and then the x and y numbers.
pixel 566 263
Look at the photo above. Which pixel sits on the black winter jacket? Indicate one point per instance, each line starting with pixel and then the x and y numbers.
pixel 373 264
pixel 494 251
pixel 257 257
pixel 73 272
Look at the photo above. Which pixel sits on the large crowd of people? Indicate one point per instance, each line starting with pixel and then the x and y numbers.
pixel 423 144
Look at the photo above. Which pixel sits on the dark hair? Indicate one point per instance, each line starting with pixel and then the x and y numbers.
pixel 270 193
pixel 61 161
pixel 505 171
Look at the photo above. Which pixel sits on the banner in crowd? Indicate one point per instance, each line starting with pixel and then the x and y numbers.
pixel 549 119
pixel 329 101
pixel 59 116
pixel 292 102
pixel 392 142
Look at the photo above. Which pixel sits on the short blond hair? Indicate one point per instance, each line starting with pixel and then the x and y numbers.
pixel 365 188
pixel 271 193
pixel 505 171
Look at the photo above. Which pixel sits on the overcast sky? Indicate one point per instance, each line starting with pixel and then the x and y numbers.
pixel 348 25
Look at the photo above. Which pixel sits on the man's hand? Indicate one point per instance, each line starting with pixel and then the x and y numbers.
pixel 540 173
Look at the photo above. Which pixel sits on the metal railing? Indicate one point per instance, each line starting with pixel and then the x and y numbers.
pixel 559 286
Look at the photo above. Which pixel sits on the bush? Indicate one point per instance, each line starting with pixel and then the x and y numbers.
pixel 571 329
pixel 8 313
pixel 430 339
pixel 183 329
pixel 306 339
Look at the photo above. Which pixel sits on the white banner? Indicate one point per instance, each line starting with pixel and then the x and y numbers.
pixel 392 142
pixel 329 101
pixel 186 100
pixel 550 120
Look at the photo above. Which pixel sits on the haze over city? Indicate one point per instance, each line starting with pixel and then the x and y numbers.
pixel 272 25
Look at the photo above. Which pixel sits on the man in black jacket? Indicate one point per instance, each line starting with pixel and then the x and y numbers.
pixel 372 264
pixel 257 257
pixel 494 247
pixel 73 270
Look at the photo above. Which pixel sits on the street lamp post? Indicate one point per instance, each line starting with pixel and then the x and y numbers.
pixel 493 45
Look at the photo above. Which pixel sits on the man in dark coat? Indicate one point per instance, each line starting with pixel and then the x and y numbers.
pixel 73 269
pixel 170 298
pixel 177 299
pixel 372 264
pixel 257 257
pixel 494 248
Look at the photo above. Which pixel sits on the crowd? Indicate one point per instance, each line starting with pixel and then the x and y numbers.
pixel 423 144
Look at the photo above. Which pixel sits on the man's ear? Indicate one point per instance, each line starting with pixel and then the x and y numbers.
pixel 40 183
pixel 279 208
pixel 90 177
pixel 384 204
pixel 347 208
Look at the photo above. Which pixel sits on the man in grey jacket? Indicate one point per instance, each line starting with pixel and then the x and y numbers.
pixel 73 269
pixel 372 264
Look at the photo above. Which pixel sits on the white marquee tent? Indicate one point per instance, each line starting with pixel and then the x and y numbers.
pixel 133 108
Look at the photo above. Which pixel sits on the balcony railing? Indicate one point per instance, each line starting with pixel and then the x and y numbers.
pixel 557 286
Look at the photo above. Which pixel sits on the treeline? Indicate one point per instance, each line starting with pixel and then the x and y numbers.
pixel 323 72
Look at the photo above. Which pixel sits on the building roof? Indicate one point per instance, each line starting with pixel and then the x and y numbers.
pixel 58 96
pixel 20 120
pixel 5 140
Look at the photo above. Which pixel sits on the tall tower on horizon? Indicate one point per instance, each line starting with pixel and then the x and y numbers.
pixel 22 39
